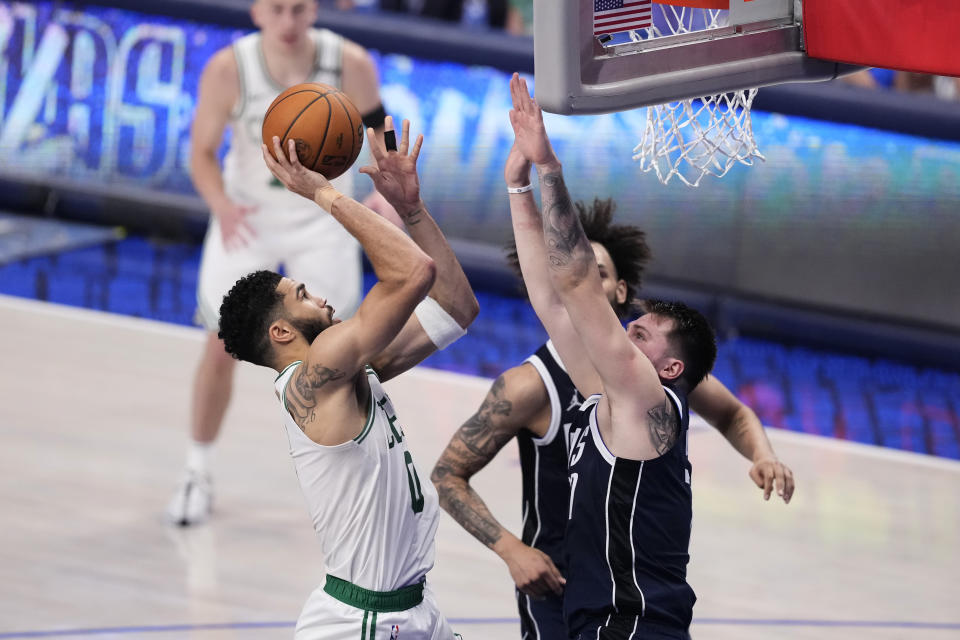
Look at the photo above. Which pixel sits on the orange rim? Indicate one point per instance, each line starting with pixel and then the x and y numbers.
pixel 698 4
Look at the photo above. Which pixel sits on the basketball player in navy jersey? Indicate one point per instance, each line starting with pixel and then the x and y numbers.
pixel 536 403
pixel 630 509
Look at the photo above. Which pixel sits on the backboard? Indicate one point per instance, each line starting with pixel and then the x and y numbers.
pixel 601 56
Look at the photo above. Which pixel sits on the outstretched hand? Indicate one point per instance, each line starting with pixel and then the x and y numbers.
pixel 287 169
pixel 394 173
pixel 526 118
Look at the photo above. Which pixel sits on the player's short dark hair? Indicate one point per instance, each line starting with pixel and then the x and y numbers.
pixel 626 244
pixel 692 336
pixel 247 311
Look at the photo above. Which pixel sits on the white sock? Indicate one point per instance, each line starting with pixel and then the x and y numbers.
pixel 198 457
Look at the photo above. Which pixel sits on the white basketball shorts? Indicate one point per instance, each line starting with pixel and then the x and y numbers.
pixel 313 248
pixel 326 618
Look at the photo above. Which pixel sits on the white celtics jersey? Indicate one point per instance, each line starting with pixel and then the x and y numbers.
pixel 246 177
pixel 376 517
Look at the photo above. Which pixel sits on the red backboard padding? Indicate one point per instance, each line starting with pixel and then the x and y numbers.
pixel 911 35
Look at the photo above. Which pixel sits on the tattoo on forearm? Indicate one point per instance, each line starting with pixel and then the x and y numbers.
pixel 413 217
pixel 664 427
pixel 566 242
pixel 465 506
pixel 476 443
pixel 300 398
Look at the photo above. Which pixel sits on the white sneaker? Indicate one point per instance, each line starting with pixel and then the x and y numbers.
pixel 192 502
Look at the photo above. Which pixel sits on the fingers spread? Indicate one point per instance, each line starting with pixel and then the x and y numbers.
pixel 389 134
pixel 278 152
pixel 376 147
pixel 404 136
pixel 267 157
pixel 416 147
pixel 275 168
pixel 292 150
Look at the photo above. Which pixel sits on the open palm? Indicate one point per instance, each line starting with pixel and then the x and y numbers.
pixel 526 117
pixel 394 173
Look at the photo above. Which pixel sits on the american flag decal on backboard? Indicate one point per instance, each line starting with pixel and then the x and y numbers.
pixel 614 16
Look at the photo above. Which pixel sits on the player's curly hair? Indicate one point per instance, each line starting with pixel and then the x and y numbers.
pixel 247 311
pixel 626 244
pixel 692 336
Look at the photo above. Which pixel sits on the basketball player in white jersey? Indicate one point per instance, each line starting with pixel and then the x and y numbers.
pixel 255 222
pixel 375 518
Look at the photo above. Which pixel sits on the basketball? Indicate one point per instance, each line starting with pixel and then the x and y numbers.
pixel 322 121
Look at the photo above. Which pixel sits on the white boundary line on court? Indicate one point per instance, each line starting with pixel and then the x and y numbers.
pixel 177 331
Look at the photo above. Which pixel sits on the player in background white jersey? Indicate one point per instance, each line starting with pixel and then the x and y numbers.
pixel 374 514
pixel 255 222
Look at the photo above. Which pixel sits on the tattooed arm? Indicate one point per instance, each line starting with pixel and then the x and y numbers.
pixel 331 378
pixel 511 404
pixel 531 145
pixel 632 393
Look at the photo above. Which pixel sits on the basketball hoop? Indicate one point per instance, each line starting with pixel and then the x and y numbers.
pixel 692 138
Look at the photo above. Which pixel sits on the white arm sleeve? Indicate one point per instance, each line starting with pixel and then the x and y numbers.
pixel 442 329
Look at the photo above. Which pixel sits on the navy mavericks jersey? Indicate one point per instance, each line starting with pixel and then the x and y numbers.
pixel 628 535
pixel 546 490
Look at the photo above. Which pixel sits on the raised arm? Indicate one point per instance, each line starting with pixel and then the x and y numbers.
pixel 404 272
pixel 633 394
pixel 510 405
pixel 531 250
pixel 395 176
pixel 744 431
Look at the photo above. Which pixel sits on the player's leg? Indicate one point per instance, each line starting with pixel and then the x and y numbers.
pixel 328 260
pixel 326 618
pixel 541 619
pixel 627 626
pixel 213 377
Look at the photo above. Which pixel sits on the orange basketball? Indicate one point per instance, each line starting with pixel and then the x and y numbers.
pixel 322 121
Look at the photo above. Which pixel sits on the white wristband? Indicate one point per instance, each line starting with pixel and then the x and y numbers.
pixel 442 329
pixel 523 189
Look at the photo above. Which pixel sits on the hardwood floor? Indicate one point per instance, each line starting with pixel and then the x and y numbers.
pixel 93 409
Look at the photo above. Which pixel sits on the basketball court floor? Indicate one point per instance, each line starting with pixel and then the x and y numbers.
pixel 93 409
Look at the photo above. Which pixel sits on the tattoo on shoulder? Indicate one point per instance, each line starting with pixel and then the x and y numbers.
pixel 664 426
pixel 301 398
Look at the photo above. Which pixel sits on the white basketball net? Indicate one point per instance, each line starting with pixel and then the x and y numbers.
pixel 692 138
